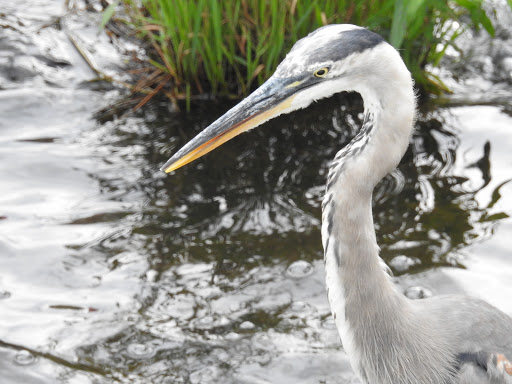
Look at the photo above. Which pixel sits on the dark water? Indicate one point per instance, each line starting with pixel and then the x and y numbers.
pixel 111 271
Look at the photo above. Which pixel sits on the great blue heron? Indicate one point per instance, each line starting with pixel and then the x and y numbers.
pixel 388 338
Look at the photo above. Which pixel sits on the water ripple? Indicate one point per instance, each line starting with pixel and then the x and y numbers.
pixel 299 269
pixel 417 293
pixel 140 351
pixel 24 358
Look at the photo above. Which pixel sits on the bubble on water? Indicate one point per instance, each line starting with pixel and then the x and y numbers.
pixel 299 269
pixel 300 307
pixel 24 357
pixel 329 323
pixel 402 263
pixel 232 336
pixel 247 325
pixel 4 295
pixel 95 281
pixel 416 293
pixel 140 351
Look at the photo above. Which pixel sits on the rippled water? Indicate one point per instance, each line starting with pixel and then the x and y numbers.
pixel 111 271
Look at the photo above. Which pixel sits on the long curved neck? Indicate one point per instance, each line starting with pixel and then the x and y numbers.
pixel 377 149
pixel 353 266
pixel 364 302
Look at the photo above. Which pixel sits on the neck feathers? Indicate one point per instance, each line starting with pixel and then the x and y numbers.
pixel 385 339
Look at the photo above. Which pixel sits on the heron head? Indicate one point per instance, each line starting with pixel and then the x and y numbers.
pixel 325 62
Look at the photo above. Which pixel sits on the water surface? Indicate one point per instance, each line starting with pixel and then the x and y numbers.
pixel 112 271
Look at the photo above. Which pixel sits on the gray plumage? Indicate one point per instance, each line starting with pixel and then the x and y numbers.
pixel 388 338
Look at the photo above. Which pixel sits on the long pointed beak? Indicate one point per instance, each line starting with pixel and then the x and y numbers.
pixel 273 98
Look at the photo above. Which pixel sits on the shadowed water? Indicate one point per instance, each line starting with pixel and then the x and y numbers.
pixel 111 271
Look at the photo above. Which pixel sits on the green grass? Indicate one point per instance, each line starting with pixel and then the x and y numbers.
pixel 229 47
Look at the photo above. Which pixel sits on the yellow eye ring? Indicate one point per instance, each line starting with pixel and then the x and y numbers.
pixel 321 72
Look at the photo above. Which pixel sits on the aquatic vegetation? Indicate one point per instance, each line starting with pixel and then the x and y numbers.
pixel 230 47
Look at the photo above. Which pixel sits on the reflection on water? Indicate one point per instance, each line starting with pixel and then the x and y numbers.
pixel 260 194
pixel 225 252
pixel 111 271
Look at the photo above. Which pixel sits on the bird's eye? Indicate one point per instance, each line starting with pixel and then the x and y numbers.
pixel 321 72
